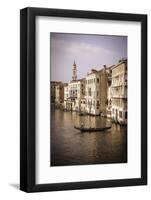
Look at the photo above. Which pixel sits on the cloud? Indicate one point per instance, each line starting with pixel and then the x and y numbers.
pixel 80 49
pixel 88 53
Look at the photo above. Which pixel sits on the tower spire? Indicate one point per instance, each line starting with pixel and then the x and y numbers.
pixel 74 71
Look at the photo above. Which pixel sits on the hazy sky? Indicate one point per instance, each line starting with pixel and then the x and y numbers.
pixel 88 51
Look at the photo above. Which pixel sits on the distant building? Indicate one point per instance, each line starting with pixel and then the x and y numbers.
pixel 79 104
pixel 66 92
pixel 70 91
pixel 73 93
pixel 74 71
pixel 59 94
pixel 119 92
pixel 53 85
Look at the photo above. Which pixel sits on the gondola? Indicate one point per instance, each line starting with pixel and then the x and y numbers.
pixel 82 129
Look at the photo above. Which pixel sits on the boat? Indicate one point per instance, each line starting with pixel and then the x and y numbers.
pixel 82 129
pixel 82 114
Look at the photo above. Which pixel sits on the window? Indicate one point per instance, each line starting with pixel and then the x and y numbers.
pixel 126 115
pixel 120 114
pixel 97 80
pixel 97 105
pixel 89 91
pixel 125 67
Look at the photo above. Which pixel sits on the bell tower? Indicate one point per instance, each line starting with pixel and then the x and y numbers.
pixel 74 71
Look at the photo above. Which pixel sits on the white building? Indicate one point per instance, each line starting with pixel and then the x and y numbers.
pixel 66 92
pixel 119 92
pixel 92 92
pixel 96 91
pixel 74 93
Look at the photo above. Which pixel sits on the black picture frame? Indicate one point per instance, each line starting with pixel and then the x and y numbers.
pixel 28 98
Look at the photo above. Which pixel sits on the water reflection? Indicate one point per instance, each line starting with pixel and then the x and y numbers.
pixel 71 147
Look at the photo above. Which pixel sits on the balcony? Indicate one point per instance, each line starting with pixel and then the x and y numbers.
pixel 124 96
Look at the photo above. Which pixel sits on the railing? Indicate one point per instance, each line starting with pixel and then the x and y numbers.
pixel 124 96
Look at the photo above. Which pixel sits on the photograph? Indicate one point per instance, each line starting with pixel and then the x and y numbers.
pixel 88 99
pixel 83 99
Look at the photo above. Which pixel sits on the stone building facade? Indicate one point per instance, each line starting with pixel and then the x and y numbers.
pixel 96 92
pixel 119 92
pixel 59 94
pixel 74 95
pixel 92 92
pixel 102 92
pixel 53 85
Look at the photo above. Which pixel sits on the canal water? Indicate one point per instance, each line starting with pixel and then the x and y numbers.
pixel 71 147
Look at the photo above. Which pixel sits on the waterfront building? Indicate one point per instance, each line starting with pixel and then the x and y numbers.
pixel 77 92
pixel 74 95
pixel 74 92
pixel 96 91
pixel 119 92
pixel 67 102
pixel 66 92
pixel 59 94
pixel 102 92
pixel 92 92
pixel 53 85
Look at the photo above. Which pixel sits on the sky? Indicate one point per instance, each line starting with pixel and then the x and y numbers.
pixel 88 51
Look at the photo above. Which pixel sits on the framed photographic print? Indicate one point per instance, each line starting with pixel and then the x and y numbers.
pixel 83 99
